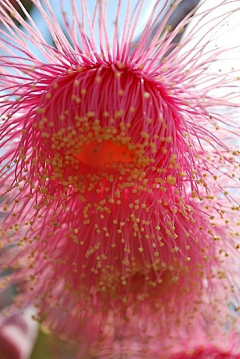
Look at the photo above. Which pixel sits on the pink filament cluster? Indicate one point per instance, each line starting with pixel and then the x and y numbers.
pixel 117 182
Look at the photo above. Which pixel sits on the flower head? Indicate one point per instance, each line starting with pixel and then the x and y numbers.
pixel 111 170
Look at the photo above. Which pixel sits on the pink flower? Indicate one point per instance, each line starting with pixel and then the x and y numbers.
pixel 206 353
pixel 17 334
pixel 118 180
pixel 207 343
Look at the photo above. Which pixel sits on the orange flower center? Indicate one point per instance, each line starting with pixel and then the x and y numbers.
pixel 105 154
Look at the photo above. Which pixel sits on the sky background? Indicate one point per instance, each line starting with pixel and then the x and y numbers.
pixel 112 10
